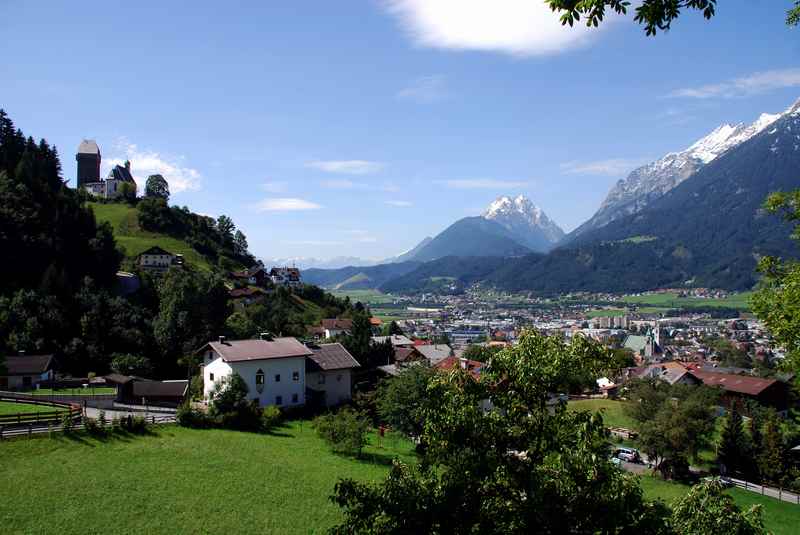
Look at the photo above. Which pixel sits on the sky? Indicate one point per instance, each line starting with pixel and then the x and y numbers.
pixel 357 128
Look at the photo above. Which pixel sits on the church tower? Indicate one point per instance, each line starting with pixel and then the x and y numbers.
pixel 88 158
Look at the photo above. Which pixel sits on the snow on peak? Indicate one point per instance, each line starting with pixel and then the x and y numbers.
pixel 521 215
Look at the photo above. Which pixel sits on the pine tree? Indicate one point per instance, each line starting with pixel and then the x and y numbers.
pixel 771 459
pixel 756 445
pixel 733 446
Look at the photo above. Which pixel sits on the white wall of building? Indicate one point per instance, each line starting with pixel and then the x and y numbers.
pixel 290 388
pixel 335 383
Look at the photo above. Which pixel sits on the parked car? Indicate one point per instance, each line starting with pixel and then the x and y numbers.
pixel 628 454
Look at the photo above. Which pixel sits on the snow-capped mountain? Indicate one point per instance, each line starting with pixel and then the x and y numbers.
pixel 651 181
pixel 525 221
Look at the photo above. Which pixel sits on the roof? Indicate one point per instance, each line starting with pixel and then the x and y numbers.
pixel 673 375
pixel 435 353
pixel 246 292
pixel 121 173
pixel 118 378
pixel 635 342
pixel 243 350
pixel 331 357
pixel 405 354
pixel 375 322
pixel 741 384
pixel 156 250
pixel 337 324
pixel 160 388
pixel 28 364
pixel 88 146
pixel 472 366
pixel 397 340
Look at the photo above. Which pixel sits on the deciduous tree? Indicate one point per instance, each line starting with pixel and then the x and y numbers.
pixel 157 186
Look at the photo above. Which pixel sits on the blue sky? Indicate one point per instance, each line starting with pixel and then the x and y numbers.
pixel 359 127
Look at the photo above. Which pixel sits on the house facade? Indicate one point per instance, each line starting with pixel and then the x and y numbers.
pixel 25 372
pixel 158 259
pixel 285 276
pixel 329 374
pixel 274 369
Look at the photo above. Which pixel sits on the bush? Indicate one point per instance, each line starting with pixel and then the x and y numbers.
pixel 92 427
pixel 270 417
pixel 101 420
pixel 344 431
pixel 134 424
pixel 245 417
pixel 189 417
pixel 66 423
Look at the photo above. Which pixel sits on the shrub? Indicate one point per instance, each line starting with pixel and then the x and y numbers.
pixel 92 427
pixel 66 423
pixel 245 417
pixel 344 431
pixel 270 417
pixel 189 417
pixel 134 424
pixel 101 420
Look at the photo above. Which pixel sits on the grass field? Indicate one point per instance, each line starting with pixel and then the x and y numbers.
pixel 606 312
pixel 125 221
pixel 613 415
pixel 780 518
pixel 371 297
pixel 8 407
pixel 181 481
pixel 671 300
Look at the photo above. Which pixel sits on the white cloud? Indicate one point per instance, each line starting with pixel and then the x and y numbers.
pixel 753 84
pixel 483 183
pixel 347 167
pixel 145 162
pixel 610 167
pixel 275 187
pixel 425 90
pixel 399 203
pixel 285 205
pixel 516 27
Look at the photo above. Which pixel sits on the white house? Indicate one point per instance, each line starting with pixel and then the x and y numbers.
pixel 274 369
pixel 157 259
pixel 329 374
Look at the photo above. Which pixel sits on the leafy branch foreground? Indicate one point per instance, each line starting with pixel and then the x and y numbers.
pixel 527 465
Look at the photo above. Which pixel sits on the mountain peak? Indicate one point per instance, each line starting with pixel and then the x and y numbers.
pixel 525 220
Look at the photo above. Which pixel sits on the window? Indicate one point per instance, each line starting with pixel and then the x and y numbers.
pixel 211 377
pixel 260 381
pixel 321 379
pixel 295 376
pixel 294 398
pixel 277 378
pixel 278 400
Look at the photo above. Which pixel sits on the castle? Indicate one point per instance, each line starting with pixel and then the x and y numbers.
pixel 88 158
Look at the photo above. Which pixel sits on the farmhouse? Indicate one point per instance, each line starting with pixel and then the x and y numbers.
pixel 736 387
pixel 328 374
pixel 285 276
pixel 334 327
pixel 256 276
pixel 157 259
pixel 26 371
pixel 274 369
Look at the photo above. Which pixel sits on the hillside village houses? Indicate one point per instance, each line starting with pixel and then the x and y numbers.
pixel 280 371
pixel 158 259
pixel 88 158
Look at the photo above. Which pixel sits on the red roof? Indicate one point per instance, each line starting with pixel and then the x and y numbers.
pixel 422 342
pixel 245 292
pixel 337 324
pixel 407 354
pixel 375 321
pixel 472 366
pixel 741 384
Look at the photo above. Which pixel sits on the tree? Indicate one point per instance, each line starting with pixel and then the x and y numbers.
pixel 653 14
pixel 777 299
pixel 127 192
pixel 394 329
pixel 157 186
pixel 225 226
pixel 240 246
pixel 732 450
pixel 127 364
pixel 771 459
pixel 401 400
pixel 481 353
pixel 707 508
pixel 345 431
pixel 229 395
pixel 526 466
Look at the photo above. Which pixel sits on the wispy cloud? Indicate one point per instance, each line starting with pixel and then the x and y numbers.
pixel 610 167
pixel 347 167
pixel 516 27
pixel 275 187
pixel 146 162
pixel 483 183
pixel 401 204
pixel 285 205
pixel 425 90
pixel 753 84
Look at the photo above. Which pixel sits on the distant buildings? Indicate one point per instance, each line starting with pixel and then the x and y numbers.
pixel 285 276
pixel 88 158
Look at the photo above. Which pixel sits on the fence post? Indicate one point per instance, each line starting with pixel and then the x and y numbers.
pixel 30 430
pixel 780 494
pixel 1 432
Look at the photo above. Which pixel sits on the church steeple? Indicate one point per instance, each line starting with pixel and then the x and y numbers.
pixel 88 158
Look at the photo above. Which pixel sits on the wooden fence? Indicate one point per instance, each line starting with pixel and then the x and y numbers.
pixel 54 415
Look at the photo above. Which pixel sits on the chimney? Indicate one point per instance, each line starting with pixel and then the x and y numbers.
pixel 221 339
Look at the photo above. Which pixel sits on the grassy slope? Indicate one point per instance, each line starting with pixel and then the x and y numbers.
pixel 181 481
pixel 125 221
pixel 613 414
pixel 780 518
pixel 671 300
pixel 8 407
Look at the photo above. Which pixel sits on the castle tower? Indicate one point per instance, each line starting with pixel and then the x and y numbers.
pixel 88 158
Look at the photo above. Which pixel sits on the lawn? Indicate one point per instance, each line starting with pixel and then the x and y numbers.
pixel 181 481
pixel 779 517
pixel 371 297
pixel 613 414
pixel 671 300
pixel 99 391
pixel 125 221
pixel 606 312
pixel 8 407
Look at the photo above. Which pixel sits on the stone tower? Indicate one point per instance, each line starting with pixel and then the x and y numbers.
pixel 88 158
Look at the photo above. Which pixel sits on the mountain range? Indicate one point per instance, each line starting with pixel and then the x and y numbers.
pixel 692 217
